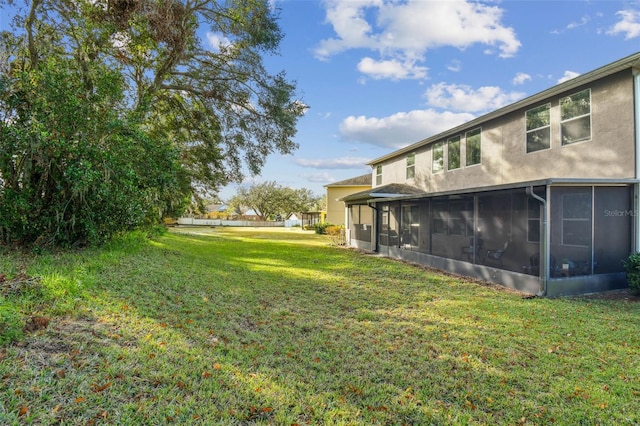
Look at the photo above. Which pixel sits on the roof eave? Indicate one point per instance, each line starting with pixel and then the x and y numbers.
pixel 540 182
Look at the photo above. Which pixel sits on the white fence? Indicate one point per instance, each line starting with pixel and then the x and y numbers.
pixel 248 223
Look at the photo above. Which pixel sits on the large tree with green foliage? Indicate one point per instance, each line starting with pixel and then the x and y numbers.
pixel 269 199
pixel 114 112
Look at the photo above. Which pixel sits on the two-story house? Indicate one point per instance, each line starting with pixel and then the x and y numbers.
pixel 540 195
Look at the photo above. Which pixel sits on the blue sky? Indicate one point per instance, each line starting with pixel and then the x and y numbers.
pixel 379 75
pixel 382 74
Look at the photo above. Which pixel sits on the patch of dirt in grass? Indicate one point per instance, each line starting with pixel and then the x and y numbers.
pixel 19 284
pixel 63 339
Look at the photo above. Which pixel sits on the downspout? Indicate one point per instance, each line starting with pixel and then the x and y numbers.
pixel 636 195
pixel 544 249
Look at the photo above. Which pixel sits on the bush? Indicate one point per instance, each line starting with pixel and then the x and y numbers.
pixel 71 168
pixel 632 266
pixel 321 227
pixel 336 233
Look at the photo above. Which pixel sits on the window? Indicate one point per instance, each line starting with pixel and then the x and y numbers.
pixel 411 166
pixel 474 152
pixel 453 151
pixel 533 221
pixel 538 128
pixel 378 175
pixel 439 223
pixel 576 219
pixel 461 218
pixel 438 157
pixel 575 117
pixel 410 227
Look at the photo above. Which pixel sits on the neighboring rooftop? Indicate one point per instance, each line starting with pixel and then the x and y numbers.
pixel 364 180
pixel 392 190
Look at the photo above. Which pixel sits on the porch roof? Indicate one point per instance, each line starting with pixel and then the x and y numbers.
pixel 394 192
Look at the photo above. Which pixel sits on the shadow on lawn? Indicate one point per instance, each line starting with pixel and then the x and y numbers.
pixel 244 330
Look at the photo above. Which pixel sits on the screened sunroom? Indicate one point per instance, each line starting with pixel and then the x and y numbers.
pixel 552 237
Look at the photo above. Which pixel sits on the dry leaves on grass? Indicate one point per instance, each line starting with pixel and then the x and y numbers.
pixel 18 285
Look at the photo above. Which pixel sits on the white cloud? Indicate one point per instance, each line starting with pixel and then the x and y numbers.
pixel 568 75
pixel 464 98
pixel 629 24
pixel 334 163
pixel 408 29
pixel 121 41
pixel 520 78
pixel 400 129
pixel 217 41
pixel 349 23
pixel 318 177
pixel 392 69
pixel 583 21
pixel 455 66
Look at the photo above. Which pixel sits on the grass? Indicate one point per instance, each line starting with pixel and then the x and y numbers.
pixel 247 326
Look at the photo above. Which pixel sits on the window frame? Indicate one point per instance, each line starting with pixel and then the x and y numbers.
pixel 466 141
pixel 533 216
pixel 411 166
pixel 379 175
pixel 579 117
pixel 546 127
pixel 440 160
pixel 450 142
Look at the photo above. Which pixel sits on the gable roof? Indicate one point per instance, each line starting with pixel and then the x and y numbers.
pixel 630 62
pixel 392 190
pixel 364 180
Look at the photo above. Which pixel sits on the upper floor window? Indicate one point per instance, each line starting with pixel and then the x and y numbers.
pixel 538 128
pixel 411 166
pixel 474 150
pixel 575 117
pixel 453 151
pixel 437 152
pixel 378 175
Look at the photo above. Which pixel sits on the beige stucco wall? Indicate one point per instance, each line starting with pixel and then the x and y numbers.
pixel 335 208
pixel 609 153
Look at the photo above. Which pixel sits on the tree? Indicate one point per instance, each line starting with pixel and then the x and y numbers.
pixel 69 166
pixel 270 199
pixel 113 112
pixel 296 201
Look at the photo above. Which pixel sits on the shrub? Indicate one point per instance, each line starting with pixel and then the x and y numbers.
pixel 632 266
pixel 336 234
pixel 71 168
pixel 321 227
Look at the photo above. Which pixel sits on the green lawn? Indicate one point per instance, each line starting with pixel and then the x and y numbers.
pixel 249 326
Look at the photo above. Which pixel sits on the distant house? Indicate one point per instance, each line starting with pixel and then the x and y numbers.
pixel 540 195
pixel 249 214
pixel 216 211
pixel 338 190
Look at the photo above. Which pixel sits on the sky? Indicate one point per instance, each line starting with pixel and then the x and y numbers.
pixel 379 75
